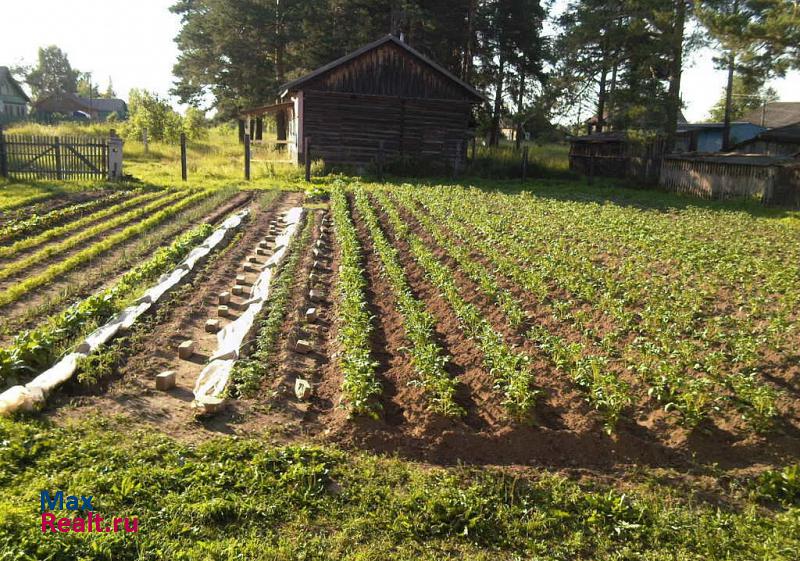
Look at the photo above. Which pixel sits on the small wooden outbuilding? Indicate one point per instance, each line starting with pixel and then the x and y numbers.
pixel 381 103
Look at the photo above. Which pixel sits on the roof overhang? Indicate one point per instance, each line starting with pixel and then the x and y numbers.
pixel 266 109
pixel 294 84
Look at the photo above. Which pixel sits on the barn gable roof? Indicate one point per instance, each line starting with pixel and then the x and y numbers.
pixel 296 84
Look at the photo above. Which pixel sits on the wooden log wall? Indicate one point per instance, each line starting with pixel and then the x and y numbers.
pixel 348 129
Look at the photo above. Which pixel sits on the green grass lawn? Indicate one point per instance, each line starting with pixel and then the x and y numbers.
pixel 232 498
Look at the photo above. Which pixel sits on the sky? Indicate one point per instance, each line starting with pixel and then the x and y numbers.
pixel 131 41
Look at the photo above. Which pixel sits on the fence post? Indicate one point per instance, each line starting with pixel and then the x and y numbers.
pixel 183 156
pixel 524 163
pixel 114 155
pixel 247 157
pixel 59 171
pixel 3 155
pixel 307 157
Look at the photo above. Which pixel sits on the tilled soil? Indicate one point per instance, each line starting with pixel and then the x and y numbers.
pixel 95 274
pixel 565 432
pixel 133 392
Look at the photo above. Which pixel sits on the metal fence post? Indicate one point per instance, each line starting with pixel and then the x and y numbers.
pixel 183 156
pixel 247 157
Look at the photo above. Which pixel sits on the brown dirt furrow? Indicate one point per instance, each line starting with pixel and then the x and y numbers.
pixel 92 277
pixel 317 413
pixel 562 406
pixel 477 393
pixel 60 201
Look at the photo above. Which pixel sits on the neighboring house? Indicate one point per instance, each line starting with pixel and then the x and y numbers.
pixel 384 101
pixel 592 127
pixel 73 105
pixel 775 114
pixel 707 137
pixel 13 99
pixel 781 141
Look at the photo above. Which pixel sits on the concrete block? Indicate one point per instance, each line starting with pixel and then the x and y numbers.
pixel 224 298
pixel 302 389
pixel 251 268
pixel 316 295
pixel 186 349
pixel 311 315
pixel 317 266
pixel 211 405
pixel 238 290
pixel 262 251
pixel 316 252
pixel 241 279
pixel 252 259
pixel 320 244
pixel 166 380
pixel 223 311
pixel 303 346
pixel 212 325
pixel 270 237
pixel 263 244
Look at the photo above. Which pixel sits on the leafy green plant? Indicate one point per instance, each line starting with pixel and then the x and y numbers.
pixel 360 386
pixel 427 356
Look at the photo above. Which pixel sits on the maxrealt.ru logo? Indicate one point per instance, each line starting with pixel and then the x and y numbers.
pixel 90 523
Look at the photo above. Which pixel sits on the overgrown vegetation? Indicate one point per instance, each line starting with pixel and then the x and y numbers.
pixel 244 498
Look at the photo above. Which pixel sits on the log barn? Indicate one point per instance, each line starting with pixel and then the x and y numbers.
pixel 381 103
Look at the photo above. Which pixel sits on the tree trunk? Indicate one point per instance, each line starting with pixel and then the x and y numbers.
pixel 726 129
pixel 494 135
pixel 676 69
pixel 466 64
pixel 601 98
pixel 520 98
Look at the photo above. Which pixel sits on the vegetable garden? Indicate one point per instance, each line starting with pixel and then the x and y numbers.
pixel 555 326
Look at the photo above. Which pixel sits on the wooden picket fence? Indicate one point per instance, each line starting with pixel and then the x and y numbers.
pixel 45 157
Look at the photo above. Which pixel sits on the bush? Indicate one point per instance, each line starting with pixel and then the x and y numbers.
pixel 148 111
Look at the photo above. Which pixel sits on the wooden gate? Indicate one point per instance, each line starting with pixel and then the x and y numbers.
pixel 43 157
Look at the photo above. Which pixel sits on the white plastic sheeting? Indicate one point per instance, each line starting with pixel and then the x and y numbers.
pixel 35 392
pixel 214 378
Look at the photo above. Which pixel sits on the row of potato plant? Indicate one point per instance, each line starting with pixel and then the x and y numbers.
pixel 16 291
pixel 509 368
pixel 656 319
pixel 427 357
pixel 603 388
pixel 360 386
pixel 686 350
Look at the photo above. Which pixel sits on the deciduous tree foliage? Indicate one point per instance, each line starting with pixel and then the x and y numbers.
pixel 52 74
